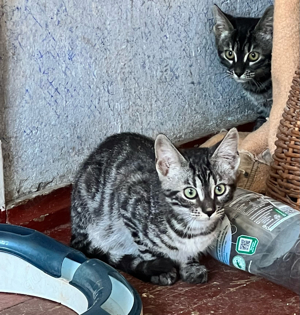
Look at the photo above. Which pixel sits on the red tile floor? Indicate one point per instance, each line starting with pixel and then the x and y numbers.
pixel 229 291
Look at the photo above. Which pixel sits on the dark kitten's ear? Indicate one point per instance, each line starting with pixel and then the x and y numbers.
pixel 168 158
pixel 264 27
pixel 226 156
pixel 222 24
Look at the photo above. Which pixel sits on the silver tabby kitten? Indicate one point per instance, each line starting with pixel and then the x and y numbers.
pixel 150 210
pixel 245 48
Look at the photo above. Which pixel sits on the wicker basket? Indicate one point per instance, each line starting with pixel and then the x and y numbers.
pixel 283 182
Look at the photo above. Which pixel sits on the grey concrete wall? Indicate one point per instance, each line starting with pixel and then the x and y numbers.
pixel 73 72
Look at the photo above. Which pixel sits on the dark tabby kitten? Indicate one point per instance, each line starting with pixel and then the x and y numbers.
pixel 245 47
pixel 147 209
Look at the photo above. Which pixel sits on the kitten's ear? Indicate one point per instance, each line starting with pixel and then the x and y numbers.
pixel 264 27
pixel 168 158
pixel 226 154
pixel 222 24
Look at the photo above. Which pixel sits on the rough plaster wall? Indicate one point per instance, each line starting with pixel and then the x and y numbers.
pixel 76 71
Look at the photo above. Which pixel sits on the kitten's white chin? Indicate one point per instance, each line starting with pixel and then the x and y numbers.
pixel 206 218
pixel 241 80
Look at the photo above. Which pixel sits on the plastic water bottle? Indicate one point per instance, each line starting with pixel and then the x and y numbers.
pixel 262 236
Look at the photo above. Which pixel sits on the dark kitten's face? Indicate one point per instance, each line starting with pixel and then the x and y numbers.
pixel 245 45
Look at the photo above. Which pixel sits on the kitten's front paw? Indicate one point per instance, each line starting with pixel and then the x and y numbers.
pixel 165 278
pixel 194 273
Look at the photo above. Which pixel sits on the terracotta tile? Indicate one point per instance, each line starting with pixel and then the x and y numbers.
pixel 2 216
pixel 61 233
pixel 50 220
pixel 49 210
pixel 229 291
pixel 37 306
pixel 9 300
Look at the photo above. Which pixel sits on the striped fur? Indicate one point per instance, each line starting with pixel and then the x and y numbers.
pixel 241 37
pixel 129 207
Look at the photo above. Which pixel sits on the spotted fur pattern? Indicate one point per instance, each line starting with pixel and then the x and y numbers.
pixel 130 209
pixel 238 40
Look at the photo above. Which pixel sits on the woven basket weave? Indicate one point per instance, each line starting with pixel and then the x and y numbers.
pixel 283 182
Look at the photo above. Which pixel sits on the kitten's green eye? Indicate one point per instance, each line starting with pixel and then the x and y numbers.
pixel 220 189
pixel 253 56
pixel 190 193
pixel 229 54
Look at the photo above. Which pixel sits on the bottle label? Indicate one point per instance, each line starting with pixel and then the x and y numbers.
pixel 248 229
pixel 222 247
pixel 239 262
pixel 262 210
pixel 246 245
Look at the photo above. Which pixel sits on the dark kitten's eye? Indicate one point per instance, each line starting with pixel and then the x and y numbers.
pixel 220 189
pixel 253 56
pixel 190 193
pixel 229 54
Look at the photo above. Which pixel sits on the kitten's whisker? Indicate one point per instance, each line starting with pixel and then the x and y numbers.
pixel 217 73
pixel 192 226
pixel 189 226
pixel 260 85
pixel 256 83
pixel 226 75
